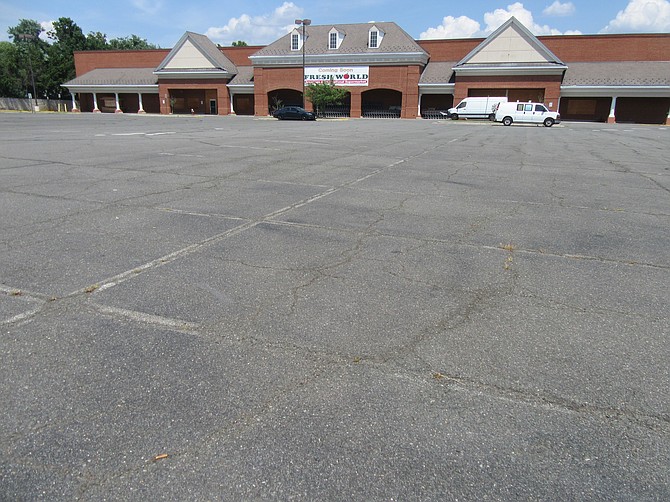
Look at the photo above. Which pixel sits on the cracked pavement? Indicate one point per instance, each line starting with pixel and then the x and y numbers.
pixel 231 308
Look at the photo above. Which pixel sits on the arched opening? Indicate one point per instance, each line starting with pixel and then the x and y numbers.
pixel 381 103
pixel 435 106
pixel 283 97
pixel 337 111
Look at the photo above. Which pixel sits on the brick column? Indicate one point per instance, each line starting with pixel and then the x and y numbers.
pixel 410 95
pixel 356 103
pixel 260 93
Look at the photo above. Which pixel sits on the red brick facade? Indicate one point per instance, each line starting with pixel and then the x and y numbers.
pixel 569 48
pixel 550 85
pixel 400 79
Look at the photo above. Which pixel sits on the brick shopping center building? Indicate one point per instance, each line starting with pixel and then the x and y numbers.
pixel 600 78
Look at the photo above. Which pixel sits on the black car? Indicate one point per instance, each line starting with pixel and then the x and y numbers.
pixel 293 113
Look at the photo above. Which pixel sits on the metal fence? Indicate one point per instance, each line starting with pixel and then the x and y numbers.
pixel 381 113
pixel 335 112
pixel 434 114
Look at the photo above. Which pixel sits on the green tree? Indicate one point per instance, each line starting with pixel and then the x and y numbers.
pixel 133 42
pixel 322 95
pixel 96 41
pixel 67 38
pixel 240 43
pixel 32 55
pixel 25 27
pixel 11 83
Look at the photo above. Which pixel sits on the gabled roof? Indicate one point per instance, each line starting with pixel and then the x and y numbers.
pixel 437 72
pixel 512 45
pixel 196 54
pixel 244 77
pixel 396 46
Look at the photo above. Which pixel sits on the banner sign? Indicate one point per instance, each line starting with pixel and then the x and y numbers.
pixel 340 75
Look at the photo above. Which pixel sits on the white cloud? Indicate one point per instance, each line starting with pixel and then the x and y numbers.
pixel 494 19
pixel 648 16
pixel 261 29
pixel 559 9
pixel 453 27
pixel 151 7
pixel 47 26
pixel 464 26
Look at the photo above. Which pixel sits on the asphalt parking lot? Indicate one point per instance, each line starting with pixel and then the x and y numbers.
pixel 230 308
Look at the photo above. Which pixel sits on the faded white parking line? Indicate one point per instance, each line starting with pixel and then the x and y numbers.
pixel 181 155
pixel 102 135
pixel 134 315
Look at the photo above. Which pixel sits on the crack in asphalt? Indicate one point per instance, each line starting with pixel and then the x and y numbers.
pixel 475 302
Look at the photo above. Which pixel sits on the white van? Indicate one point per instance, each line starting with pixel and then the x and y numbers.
pixel 534 113
pixel 473 108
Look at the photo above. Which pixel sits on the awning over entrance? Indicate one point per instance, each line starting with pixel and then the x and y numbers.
pixel 119 89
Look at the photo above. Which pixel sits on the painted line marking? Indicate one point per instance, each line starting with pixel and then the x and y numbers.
pixel 135 315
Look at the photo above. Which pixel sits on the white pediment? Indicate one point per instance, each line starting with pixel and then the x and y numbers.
pixel 512 44
pixel 188 56
pixel 509 46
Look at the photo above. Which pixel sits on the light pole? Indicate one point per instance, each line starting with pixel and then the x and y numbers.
pixel 303 22
pixel 27 36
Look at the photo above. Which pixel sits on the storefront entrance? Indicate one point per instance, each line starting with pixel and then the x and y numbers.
pixel 193 101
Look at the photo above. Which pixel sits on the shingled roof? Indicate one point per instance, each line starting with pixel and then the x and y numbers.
pixel 618 73
pixel 245 76
pixel 395 41
pixel 438 72
pixel 110 77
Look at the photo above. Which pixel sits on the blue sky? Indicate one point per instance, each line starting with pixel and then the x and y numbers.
pixel 163 22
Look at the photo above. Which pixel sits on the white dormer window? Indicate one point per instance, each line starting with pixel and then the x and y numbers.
pixel 335 38
pixel 295 41
pixel 375 37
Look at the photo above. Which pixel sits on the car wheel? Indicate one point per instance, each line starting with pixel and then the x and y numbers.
pixel 454 116
pixel 507 121
pixel 548 122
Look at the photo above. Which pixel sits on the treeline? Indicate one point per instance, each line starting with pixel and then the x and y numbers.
pixel 52 62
